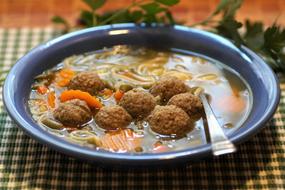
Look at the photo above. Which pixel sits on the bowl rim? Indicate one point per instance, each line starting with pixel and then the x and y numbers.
pixel 86 153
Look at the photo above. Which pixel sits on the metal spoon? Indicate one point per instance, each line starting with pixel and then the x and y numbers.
pixel 220 143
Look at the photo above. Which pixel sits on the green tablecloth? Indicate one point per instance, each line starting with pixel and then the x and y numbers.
pixel 26 164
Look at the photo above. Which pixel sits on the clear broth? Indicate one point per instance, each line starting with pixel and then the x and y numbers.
pixel 230 96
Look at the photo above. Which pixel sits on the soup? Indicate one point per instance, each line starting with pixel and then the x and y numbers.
pixel 137 100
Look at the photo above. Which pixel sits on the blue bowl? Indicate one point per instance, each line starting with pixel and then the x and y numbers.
pixel 252 68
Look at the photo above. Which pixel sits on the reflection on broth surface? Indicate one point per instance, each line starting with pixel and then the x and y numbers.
pixel 116 99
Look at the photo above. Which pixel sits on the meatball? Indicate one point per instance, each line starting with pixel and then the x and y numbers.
pixel 88 82
pixel 138 103
pixel 167 87
pixel 113 117
pixel 170 120
pixel 190 103
pixel 73 113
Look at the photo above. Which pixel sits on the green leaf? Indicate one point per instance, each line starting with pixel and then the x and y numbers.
pixel 170 18
pixel 222 5
pixel 229 28
pixel 61 21
pixel 122 17
pixel 276 62
pixel 95 4
pixel 152 8
pixel 116 16
pixel 274 39
pixel 148 18
pixel 86 17
pixel 58 20
pixel 253 28
pixel 168 2
pixel 282 61
pixel 270 61
pixel 253 36
pixel 228 7
pixel 135 16
pixel 232 8
pixel 105 16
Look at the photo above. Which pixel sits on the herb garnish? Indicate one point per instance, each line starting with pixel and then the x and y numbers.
pixel 147 11
pixel 269 42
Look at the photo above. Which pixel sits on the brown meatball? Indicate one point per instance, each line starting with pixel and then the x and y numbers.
pixel 190 103
pixel 113 117
pixel 167 87
pixel 73 113
pixel 138 103
pixel 170 120
pixel 88 82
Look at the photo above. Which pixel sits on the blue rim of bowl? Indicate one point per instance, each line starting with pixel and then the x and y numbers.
pixel 90 154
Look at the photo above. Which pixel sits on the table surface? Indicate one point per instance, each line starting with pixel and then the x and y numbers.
pixel 26 164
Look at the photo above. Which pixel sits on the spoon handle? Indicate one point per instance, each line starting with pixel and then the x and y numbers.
pixel 220 143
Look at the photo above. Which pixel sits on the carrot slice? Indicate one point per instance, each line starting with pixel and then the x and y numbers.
pixel 121 140
pixel 64 76
pixel 107 92
pixel 235 91
pixel 63 82
pixel 118 95
pixel 231 104
pixel 161 148
pixel 42 89
pixel 78 94
pixel 66 73
pixel 51 99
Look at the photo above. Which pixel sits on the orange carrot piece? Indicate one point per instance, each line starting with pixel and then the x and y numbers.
pixel 235 92
pixel 42 89
pixel 51 99
pixel 161 148
pixel 121 140
pixel 118 95
pixel 70 129
pixel 231 104
pixel 78 94
pixel 107 92
pixel 66 73
pixel 63 82
pixel 64 76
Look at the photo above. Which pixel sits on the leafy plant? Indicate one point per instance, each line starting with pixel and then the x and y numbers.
pixel 147 11
pixel 267 42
